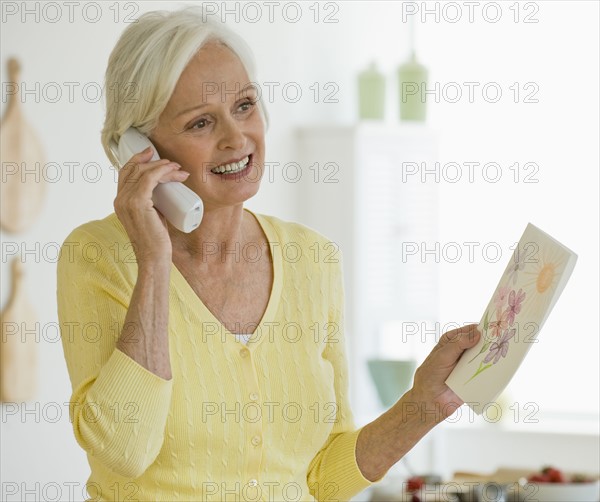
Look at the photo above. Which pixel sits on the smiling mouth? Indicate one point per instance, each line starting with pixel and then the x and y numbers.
pixel 233 168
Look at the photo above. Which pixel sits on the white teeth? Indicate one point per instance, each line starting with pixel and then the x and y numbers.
pixel 234 167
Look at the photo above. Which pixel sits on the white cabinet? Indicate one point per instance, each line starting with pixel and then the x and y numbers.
pixel 362 188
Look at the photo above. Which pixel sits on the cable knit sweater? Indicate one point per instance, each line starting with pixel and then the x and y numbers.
pixel 266 421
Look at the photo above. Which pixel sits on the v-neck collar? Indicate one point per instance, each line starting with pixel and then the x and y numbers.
pixel 180 282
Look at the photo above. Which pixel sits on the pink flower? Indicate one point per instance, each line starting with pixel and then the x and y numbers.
pixel 501 297
pixel 500 349
pixel 500 324
pixel 514 305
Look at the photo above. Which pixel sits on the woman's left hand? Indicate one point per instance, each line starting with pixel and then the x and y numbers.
pixel 430 401
pixel 435 399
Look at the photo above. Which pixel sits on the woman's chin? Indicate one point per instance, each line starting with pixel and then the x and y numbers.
pixel 218 199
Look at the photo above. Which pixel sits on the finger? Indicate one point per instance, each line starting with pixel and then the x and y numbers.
pixel 177 175
pixel 472 338
pixel 135 171
pixel 459 335
pixel 132 165
pixel 453 343
pixel 149 178
pixel 146 153
pixel 134 197
pixel 139 158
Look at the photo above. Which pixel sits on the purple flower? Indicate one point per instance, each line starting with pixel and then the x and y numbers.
pixel 514 305
pixel 519 264
pixel 500 349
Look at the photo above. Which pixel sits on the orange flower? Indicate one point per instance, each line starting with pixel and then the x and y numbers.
pixel 500 324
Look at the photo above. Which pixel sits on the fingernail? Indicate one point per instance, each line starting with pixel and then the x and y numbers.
pixel 185 173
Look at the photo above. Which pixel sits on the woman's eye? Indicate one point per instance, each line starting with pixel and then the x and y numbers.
pixel 200 124
pixel 247 105
pixel 203 123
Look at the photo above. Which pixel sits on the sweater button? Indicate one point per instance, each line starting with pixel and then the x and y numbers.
pixel 253 482
pixel 244 352
pixel 254 396
pixel 256 440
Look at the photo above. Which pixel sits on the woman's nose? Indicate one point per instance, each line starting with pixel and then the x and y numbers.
pixel 232 136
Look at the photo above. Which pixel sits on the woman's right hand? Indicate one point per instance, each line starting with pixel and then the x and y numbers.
pixel 145 226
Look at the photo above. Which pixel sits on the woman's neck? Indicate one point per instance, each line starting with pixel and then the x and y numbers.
pixel 220 236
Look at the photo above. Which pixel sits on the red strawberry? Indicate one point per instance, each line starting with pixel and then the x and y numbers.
pixel 554 475
pixel 415 483
pixel 538 478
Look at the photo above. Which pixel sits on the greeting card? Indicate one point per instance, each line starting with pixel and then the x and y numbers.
pixel 528 289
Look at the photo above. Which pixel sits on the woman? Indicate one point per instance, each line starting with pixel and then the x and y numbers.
pixel 170 400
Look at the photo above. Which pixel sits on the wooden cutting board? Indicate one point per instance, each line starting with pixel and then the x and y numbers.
pixel 22 185
pixel 18 344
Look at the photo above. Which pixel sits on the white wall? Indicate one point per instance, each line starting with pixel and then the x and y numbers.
pixel 559 133
pixel 560 53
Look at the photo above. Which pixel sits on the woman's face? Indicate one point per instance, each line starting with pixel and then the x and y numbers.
pixel 212 120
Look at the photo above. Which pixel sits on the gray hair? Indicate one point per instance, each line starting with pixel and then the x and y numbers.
pixel 147 61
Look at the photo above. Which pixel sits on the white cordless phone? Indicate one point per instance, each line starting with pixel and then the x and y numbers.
pixel 180 205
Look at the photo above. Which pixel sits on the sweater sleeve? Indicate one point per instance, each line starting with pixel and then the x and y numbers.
pixel 118 408
pixel 333 474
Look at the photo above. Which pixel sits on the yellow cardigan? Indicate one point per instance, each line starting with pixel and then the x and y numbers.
pixel 269 421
